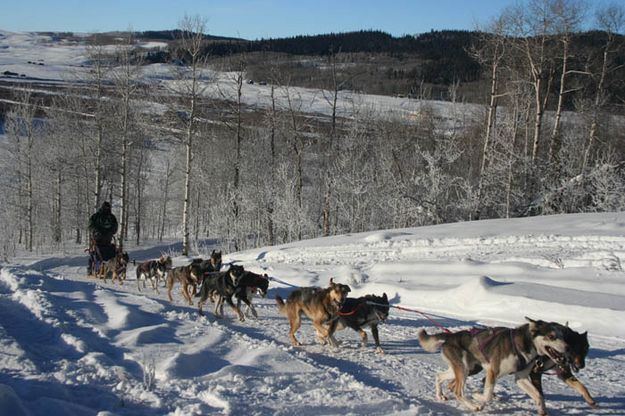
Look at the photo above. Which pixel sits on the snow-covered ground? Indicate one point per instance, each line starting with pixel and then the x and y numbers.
pixel 74 346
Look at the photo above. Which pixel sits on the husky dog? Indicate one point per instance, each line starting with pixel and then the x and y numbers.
pixel 500 351
pixel 212 264
pixel 203 267
pixel 153 270
pixel 224 284
pixel 357 313
pixel 576 360
pixel 248 285
pixel 116 267
pixel 320 305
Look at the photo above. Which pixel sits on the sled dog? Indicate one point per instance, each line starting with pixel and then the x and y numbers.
pixel 224 285
pixel 576 360
pixel 357 313
pixel 500 351
pixel 153 271
pixel 320 305
pixel 116 267
pixel 250 284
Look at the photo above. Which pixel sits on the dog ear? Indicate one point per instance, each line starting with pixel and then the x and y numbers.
pixel 384 296
pixel 331 281
pixel 533 325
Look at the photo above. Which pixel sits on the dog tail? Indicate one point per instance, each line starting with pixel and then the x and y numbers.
pixel 430 343
pixel 280 303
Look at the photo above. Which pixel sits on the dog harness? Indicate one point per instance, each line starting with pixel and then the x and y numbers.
pixel 494 332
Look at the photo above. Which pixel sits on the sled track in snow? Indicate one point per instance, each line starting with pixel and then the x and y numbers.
pixel 554 251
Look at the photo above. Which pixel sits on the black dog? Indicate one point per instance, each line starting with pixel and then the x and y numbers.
pixel 356 313
pixel 576 360
pixel 248 285
pixel 224 284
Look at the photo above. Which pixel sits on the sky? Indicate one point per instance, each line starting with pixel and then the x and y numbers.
pixel 253 19
pixel 250 19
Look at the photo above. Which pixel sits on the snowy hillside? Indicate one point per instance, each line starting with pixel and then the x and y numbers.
pixel 74 346
pixel 45 59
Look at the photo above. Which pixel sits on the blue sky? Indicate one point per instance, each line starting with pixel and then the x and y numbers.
pixel 250 19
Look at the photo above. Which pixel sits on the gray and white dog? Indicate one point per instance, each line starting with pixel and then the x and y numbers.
pixel 499 351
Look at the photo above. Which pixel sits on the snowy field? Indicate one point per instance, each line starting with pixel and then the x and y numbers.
pixel 44 59
pixel 74 346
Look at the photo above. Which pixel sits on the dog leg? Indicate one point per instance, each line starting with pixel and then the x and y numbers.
pixel 363 338
pixel 457 371
pixel 324 335
pixel 440 379
pixel 577 385
pixel 489 386
pixel 250 307
pixel 186 294
pixel 170 286
pixel 460 379
pixel 234 307
pixel 526 385
pixel 295 321
pixel 376 338
pixel 218 304
pixel 253 310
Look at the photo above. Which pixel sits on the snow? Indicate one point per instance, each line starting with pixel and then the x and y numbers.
pixel 46 59
pixel 72 345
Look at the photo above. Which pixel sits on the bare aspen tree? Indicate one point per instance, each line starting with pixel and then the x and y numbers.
pixel 329 151
pixel 22 129
pixel 491 54
pixel 532 26
pixel 236 127
pixel 190 89
pixel 611 19
pixel 296 144
pixel 99 73
pixel 568 16
pixel 272 168
pixel 126 85
pixel 166 180
pixel 140 175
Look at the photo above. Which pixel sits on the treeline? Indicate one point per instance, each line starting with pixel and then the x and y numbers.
pixel 437 57
pixel 180 163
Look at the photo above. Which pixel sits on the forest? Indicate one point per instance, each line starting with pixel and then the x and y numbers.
pixel 524 117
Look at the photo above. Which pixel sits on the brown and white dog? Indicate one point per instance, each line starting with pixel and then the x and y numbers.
pixel 153 271
pixel 116 267
pixel 320 305
pixel 190 276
